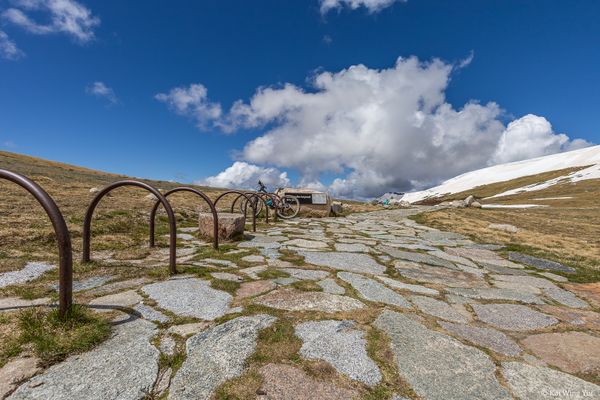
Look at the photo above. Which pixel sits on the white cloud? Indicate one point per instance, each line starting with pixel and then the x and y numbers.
pixel 65 16
pixel 192 102
pixel 372 6
pixel 99 89
pixel 246 176
pixel 381 130
pixel 8 48
pixel 532 136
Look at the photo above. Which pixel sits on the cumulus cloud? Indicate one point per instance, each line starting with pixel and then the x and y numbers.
pixel 65 16
pixel 192 101
pixel 246 176
pixel 99 89
pixel 380 130
pixel 8 48
pixel 372 6
pixel 532 136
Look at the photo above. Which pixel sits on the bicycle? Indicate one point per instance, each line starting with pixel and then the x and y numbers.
pixel 286 207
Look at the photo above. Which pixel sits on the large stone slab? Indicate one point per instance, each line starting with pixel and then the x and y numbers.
pixel 438 275
pixel 481 256
pixel 542 383
pixel 189 298
pixel 329 285
pixel 308 244
pixel 422 258
pixel 396 284
pixel 373 290
pixel 352 247
pixel 565 298
pixel 437 366
pixel 539 263
pixel 285 382
pixel 439 309
pixel 230 225
pixel 497 294
pixel 305 274
pixel 484 337
pixel 109 302
pixel 513 317
pixel 574 352
pixel 86 284
pixel 123 367
pixel 293 300
pixel 341 345
pixel 16 371
pixel 579 318
pixel 29 272
pixel 589 291
pixel 352 262
pixel 217 355
pixel 250 289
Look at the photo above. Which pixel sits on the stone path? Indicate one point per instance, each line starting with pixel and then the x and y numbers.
pixel 376 304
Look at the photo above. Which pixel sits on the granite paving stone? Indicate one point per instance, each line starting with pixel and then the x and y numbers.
pixel 353 262
pixel 396 284
pixel 539 263
pixel 439 309
pixel 341 345
pixel 373 290
pixel 512 317
pixel 29 272
pixel 293 300
pixel 329 285
pixel 484 337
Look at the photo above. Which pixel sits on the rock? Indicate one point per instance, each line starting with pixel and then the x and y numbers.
pixel 512 317
pixel 14 303
pixel 542 383
pixel 112 287
pixel 188 329
pixel 481 256
pixel 455 259
pixel 342 346
pixel 437 275
pixel 573 352
pixel 458 204
pixel 150 197
pixel 352 247
pixel 309 244
pixel 185 236
pixel 163 381
pixel 589 291
pixel 231 226
pixel 305 274
pixel 421 258
pixel 253 272
pixel 251 289
pixel 539 263
pixel 226 276
pixel 168 345
pixel 484 337
pixel 475 204
pixel 578 318
pixel 352 262
pixel 329 285
pixel 151 314
pixel 337 208
pixel 293 300
pixel 429 361
pixel 123 367
pixel 554 277
pixel 284 382
pixel 469 200
pixel 373 290
pixel 254 259
pixel 115 301
pixel 439 309
pixel 504 227
pixel 29 272
pixel 16 371
pixel 565 298
pixel 189 298
pixel 406 286
pixel 497 294
pixel 94 190
pixel 217 355
pixel 90 283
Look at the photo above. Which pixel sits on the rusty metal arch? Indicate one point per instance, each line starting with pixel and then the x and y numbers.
pixel 162 199
pixel 252 195
pixel 247 198
pixel 63 238
pixel 197 192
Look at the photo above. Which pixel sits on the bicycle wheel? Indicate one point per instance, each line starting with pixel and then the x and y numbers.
pixel 258 204
pixel 289 208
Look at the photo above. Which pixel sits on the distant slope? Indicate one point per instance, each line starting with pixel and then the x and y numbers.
pixel 578 165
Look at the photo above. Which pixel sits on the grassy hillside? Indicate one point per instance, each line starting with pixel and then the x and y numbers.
pixel 567 229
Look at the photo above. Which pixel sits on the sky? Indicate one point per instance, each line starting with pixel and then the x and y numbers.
pixel 356 97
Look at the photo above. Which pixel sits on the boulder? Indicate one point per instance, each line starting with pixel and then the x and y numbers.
pixel 458 204
pixel 230 225
pixel 337 207
pixel 94 190
pixel 475 204
pixel 469 200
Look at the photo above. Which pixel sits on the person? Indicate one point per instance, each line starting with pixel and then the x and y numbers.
pixel 262 187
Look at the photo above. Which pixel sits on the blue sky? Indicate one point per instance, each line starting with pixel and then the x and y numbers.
pixel 528 57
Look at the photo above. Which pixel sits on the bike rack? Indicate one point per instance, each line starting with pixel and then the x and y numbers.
pixel 201 195
pixel 65 271
pixel 161 199
pixel 245 208
pixel 261 195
